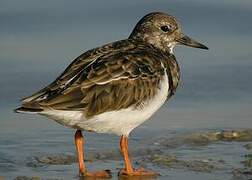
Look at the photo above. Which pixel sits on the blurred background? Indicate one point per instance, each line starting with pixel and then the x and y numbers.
pixel 38 39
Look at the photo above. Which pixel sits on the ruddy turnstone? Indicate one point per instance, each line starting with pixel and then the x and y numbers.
pixel 116 87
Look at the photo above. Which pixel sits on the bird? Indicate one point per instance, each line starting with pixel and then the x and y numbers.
pixel 116 87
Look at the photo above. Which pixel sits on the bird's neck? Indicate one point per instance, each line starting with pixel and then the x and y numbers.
pixel 152 42
pixel 157 44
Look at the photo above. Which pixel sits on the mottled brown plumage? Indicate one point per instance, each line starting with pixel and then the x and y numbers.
pixel 117 75
pixel 112 77
pixel 116 87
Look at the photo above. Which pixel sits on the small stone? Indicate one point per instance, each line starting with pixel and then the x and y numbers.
pixel 237 135
pixel 26 178
pixel 200 166
pixel 165 160
pixel 242 174
pixel 248 146
pixel 57 159
pixel 248 161
pixel 172 162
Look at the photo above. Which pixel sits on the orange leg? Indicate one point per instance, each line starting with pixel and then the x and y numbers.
pixel 128 170
pixel 125 154
pixel 82 170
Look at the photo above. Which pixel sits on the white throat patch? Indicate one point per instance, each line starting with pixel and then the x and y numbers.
pixel 171 46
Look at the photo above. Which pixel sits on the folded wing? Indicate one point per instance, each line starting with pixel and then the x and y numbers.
pixel 110 81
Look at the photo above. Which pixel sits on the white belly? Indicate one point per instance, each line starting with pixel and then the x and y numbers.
pixel 120 122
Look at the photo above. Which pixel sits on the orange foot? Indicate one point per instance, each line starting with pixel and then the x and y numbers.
pixel 103 174
pixel 138 172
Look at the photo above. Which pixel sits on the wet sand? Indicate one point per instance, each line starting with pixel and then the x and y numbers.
pixel 201 154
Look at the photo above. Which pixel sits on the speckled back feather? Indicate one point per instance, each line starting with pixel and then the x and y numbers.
pixel 112 77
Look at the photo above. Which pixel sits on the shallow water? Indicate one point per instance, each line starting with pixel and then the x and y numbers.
pixel 39 39
pixel 49 154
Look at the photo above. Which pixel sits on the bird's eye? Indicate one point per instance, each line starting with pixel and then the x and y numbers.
pixel 165 28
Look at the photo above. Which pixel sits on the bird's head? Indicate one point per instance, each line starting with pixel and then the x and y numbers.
pixel 163 32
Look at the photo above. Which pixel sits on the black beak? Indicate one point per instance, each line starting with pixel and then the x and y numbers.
pixel 185 40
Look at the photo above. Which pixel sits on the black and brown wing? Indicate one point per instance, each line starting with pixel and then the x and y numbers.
pixel 76 69
pixel 113 81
